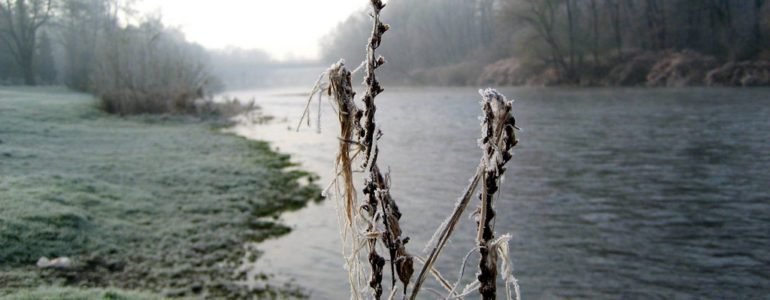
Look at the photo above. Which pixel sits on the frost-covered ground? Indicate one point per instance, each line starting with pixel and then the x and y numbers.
pixel 156 204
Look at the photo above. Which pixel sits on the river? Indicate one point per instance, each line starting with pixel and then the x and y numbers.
pixel 611 194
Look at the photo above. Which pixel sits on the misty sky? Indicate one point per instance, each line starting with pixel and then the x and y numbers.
pixel 284 28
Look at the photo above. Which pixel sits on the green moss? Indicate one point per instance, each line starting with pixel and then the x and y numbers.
pixel 157 203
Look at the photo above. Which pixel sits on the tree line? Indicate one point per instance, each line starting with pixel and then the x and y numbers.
pixel 451 40
pixel 104 47
pixel 133 63
pixel 22 49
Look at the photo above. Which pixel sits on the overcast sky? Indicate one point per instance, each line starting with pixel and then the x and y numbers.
pixel 284 28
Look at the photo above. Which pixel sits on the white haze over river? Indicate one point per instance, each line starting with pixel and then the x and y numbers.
pixel 611 194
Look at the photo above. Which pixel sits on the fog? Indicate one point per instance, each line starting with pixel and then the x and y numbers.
pixel 286 30
pixel 160 148
pixel 437 42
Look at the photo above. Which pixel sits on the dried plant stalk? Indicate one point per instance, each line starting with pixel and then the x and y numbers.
pixel 340 88
pixel 359 135
pixel 444 232
pixel 341 91
pixel 498 140
pixel 377 187
pixel 401 263
pixel 373 87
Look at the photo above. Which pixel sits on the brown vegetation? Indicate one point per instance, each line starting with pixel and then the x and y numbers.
pixel 513 71
pixel 632 71
pixel 745 73
pixel 684 68
pixel 644 68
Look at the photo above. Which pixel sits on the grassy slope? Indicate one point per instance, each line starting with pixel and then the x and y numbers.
pixel 146 203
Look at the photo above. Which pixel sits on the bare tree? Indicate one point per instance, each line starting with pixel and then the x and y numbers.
pixel 656 24
pixel 541 16
pixel 757 26
pixel 22 20
pixel 595 29
pixel 571 34
pixel 615 11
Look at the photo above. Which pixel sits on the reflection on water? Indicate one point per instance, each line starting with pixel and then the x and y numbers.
pixel 612 193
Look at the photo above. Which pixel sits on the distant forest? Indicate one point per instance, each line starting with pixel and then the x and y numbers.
pixel 98 46
pixel 101 46
pixel 106 48
pixel 132 62
pixel 575 42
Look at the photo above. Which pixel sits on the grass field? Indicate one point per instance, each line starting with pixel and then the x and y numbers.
pixel 150 203
pixel 68 293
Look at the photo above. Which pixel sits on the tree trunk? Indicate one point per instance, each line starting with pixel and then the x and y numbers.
pixel 662 34
pixel 615 20
pixel 571 32
pixel 27 57
pixel 757 47
pixel 693 39
pixel 21 23
pixel 595 24
pixel 28 70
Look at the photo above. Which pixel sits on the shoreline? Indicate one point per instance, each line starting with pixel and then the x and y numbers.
pixel 316 228
pixel 162 204
pixel 665 68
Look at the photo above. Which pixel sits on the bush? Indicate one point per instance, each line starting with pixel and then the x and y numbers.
pixel 127 101
pixel 150 69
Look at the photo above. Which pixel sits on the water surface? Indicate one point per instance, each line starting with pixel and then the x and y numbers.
pixel 611 194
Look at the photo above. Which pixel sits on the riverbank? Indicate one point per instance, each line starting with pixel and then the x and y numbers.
pixel 667 68
pixel 156 204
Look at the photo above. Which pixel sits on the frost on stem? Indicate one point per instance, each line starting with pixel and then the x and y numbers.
pixel 341 90
pixel 380 214
pixel 378 211
pixel 377 187
pixel 373 87
pixel 497 140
